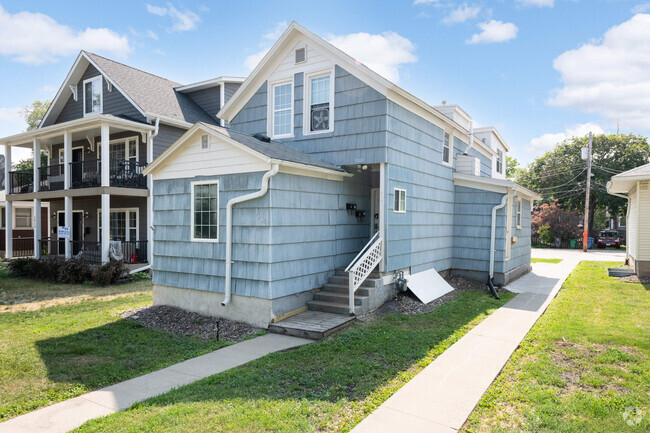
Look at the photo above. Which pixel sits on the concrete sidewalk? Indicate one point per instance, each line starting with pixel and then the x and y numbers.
pixel 441 397
pixel 70 414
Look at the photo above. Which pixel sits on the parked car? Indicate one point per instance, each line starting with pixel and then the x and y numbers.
pixel 609 238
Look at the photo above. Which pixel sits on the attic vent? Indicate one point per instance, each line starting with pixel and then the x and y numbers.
pixel 301 55
pixel 644 185
pixel 262 137
pixel 204 141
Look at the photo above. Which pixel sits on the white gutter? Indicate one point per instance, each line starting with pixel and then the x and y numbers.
pixel 471 137
pixel 494 229
pixel 265 187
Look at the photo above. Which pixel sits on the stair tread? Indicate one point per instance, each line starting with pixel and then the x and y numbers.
pixel 343 295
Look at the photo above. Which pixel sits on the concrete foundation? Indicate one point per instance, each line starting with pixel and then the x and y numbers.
pixel 641 267
pixel 500 278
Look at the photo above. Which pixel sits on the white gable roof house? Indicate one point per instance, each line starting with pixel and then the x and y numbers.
pixel 322 185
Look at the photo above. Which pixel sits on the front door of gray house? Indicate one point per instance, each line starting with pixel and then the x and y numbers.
pixel 76 232
pixel 374 211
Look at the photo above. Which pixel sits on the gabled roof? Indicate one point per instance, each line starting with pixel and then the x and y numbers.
pixel 152 95
pixel 393 92
pixel 622 183
pixel 272 151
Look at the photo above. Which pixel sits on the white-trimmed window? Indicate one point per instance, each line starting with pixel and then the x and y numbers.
pixel 499 161
pixel 124 224
pixel 519 206
pixel 3 217
pixel 282 109
pixel 446 149
pixel 23 218
pixel 205 211
pixel 400 201
pixel 318 103
pixel 122 149
pixel 93 96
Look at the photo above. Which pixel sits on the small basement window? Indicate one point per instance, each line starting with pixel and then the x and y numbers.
pixel 93 97
pixel 446 150
pixel 205 211
pixel 519 205
pixel 400 201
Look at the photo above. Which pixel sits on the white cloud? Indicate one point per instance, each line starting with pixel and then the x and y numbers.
pixel 546 142
pixel 276 32
pixel 538 3
pixel 35 39
pixel 12 122
pixel 462 14
pixel 384 53
pixel 611 76
pixel 251 61
pixel 181 21
pixel 494 31
pixel 642 8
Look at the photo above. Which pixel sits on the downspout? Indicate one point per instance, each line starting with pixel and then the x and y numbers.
pixel 504 200
pixel 265 187
pixel 471 137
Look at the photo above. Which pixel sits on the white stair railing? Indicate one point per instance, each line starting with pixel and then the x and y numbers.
pixel 362 265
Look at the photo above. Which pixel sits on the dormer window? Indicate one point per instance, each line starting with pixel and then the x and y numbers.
pixel 282 110
pixel 499 161
pixel 93 98
pixel 319 104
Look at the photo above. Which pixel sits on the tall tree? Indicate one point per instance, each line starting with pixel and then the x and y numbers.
pixel 561 173
pixel 34 113
pixel 512 167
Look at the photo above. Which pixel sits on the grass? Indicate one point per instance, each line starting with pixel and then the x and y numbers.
pixel 536 260
pixel 330 385
pixel 582 368
pixel 52 353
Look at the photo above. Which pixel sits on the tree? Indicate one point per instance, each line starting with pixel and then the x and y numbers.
pixel 512 167
pixel 28 163
pixel 34 113
pixel 561 223
pixel 561 174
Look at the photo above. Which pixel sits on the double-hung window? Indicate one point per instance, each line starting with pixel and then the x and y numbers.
pixel 23 218
pixel 123 225
pixel 205 211
pixel 282 100
pixel 400 201
pixel 499 161
pixel 446 150
pixel 93 97
pixel 519 203
pixel 319 104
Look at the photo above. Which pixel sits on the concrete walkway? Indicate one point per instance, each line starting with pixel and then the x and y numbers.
pixel 70 414
pixel 441 397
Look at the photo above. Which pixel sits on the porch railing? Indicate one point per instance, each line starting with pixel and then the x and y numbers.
pixel 21 181
pixel 127 174
pixel 23 247
pixel 362 265
pixel 85 174
pixel 52 178
pixel 91 251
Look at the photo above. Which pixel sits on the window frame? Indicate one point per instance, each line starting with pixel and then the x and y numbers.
pixel 127 227
pixel 271 107
pixel 192 185
pixel 15 216
pixel 450 146
pixel 306 110
pixel 101 95
pixel 499 161
pixel 126 148
pixel 520 206
pixel 3 217
pixel 398 192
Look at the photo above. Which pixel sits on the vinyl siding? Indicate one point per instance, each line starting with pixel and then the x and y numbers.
pixel 520 252
pixel 113 102
pixel 633 224
pixel 167 135
pixel 230 90
pixel 208 99
pixel 643 252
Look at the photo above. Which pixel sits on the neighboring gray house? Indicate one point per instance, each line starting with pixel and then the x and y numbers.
pixel 327 166
pixel 138 115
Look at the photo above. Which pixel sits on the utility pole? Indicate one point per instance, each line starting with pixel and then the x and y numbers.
pixel 585 235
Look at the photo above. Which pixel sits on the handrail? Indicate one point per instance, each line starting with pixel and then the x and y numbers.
pixel 362 265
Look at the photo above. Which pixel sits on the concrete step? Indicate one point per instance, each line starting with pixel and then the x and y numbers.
pixel 341 272
pixel 369 282
pixel 334 307
pixel 341 298
pixel 343 288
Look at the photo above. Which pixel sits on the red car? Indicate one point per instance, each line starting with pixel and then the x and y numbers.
pixel 609 238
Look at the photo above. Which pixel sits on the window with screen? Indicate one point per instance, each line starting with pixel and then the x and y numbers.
pixel 205 211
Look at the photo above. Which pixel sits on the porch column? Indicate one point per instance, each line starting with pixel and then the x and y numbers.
pixel 37 165
pixel 68 223
pixel 150 201
pixel 37 228
pixel 8 207
pixel 382 214
pixel 104 157
pixel 106 222
pixel 67 157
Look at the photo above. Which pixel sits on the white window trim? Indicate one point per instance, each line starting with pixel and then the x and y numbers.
pixel 101 95
pixel 451 149
pixel 128 227
pixel 306 110
pixel 496 161
pixel 270 115
pixel 126 148
pixel 31 220
pixel 395 192
pixel 192 185
pixel 519 210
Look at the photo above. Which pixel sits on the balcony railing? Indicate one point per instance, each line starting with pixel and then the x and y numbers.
pixel 21 181
pixel 127 174
pixel 52 178
pixel 86 174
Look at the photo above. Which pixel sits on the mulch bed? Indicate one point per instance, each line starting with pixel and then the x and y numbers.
pixel 635 279
pixel 407 303
pixel 186 323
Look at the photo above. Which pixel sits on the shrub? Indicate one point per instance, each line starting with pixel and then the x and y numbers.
pixel 110 273
pixel 74 271
pixel 545 234
pixel 141 276
pixel 20 267
pixel 47 269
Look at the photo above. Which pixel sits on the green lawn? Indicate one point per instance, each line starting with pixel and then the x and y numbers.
pixel 330 385
pixel 536 260
pixel 54 353
pixel 583 366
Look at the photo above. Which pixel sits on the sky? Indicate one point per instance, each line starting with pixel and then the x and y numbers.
pixel 538 70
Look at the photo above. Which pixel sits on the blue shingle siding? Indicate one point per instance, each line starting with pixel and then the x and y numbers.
pixel 359 135
pixel 486 163
pixel 520 254
pixel 472 225
pixel 287 242
pixel 114 102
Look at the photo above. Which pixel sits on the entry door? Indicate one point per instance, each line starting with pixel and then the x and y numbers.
pixel 76 232
pixel 77 169
pixel 374 211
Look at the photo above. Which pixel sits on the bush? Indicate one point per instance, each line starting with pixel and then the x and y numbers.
pixel 74 271
pixel 545 234
pixel 141 276
pixel 20 267
pixel 47 269
pixel 110 273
